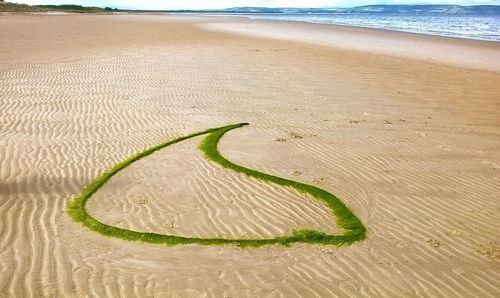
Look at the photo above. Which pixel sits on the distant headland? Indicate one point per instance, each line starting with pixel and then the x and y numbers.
pixel 492 10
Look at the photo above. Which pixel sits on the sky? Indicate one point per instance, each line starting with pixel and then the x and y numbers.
pixel 211 4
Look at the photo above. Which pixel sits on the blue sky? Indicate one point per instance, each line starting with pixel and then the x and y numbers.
pixel 203 4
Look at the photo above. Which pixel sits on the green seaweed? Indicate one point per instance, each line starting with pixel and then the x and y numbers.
pixel 352 227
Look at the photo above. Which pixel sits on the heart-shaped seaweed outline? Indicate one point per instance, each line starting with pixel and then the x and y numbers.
pixel 345 219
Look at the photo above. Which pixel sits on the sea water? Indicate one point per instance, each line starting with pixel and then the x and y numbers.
pixel 474 27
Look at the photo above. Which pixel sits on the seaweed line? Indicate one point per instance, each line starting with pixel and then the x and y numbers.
pixel 353 229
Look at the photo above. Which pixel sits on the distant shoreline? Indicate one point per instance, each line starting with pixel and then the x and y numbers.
pixel 289 18
pixel 419 19
pixel 419 9
pixel 461 52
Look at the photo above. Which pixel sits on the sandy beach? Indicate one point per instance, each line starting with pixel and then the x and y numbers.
pixel 404 128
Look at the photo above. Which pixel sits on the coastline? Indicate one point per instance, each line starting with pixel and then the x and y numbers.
pixel 410 146
pixel 461 52
pixel 257 18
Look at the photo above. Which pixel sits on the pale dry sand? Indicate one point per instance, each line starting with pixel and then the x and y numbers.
pixel 413 148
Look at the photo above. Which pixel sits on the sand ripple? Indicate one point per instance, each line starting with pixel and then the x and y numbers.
pixel 426 185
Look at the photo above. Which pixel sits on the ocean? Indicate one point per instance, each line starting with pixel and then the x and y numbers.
pixel 472 27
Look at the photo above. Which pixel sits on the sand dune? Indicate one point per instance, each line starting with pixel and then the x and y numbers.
pixel 411 147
